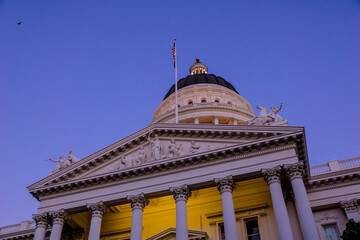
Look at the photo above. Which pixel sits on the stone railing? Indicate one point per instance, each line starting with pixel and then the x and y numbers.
pixel 25 225
pixel 335 165
pixel 350 163
pixel 319 169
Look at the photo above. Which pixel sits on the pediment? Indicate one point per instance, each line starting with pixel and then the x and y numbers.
pixel 161 142
pixel 170 234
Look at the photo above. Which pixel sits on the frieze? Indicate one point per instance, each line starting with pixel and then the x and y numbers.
pixel 326 217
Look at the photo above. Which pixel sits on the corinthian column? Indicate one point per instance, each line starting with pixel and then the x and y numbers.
pixel 138 202
pixel 58 219
pixel 350 207
pixel 295 172
pixel 41 221
pixel 226 186
pixel 97 211
pixel 181 195
pixel 272 177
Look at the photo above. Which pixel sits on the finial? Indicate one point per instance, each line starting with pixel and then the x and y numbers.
pixel 197 59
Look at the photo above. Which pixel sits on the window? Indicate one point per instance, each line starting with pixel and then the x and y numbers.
pixel 331 232
pixel 217 100
pixel 229 102
pixel 221 231
pixel 190 102
pixel 203 100
pixel 252 229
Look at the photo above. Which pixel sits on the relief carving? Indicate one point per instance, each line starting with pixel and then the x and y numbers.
pixel 194 148
pixel 174 149
pixel 156 147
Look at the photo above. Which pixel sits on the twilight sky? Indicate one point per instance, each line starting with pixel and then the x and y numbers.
pixel 83 74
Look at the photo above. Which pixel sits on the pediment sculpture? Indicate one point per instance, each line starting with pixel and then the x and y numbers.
pixel 63 163
pixel 157 149
pixel 266 118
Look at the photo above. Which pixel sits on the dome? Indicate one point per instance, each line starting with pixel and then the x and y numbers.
pixel 201 78
pixel 203 98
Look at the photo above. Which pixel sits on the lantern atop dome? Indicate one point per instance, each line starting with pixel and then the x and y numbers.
pixel 198 68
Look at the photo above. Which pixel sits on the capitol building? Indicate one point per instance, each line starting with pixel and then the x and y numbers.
pixel 226 170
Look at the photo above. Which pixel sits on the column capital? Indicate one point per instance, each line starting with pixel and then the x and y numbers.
pixel 225 184
pixel 138 201
pixel 295 170
pixel 349 205
pixel 97 209
pixel 271 175
pixel 59 216
pixel 181 193
pixel 41 220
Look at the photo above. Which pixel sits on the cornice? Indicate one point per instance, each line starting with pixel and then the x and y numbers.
pixel 286 141
pixel 163 129
pixel 334 180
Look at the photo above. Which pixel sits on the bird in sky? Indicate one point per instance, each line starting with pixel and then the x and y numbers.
pixel 19 23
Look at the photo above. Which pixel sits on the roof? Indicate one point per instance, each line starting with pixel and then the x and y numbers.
pixel 200 78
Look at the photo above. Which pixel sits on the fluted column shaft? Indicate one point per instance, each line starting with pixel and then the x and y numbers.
pixel 226 186
pixel 181 195
pixel 97 211
pixel 41 221
pixel 58 219
pixel 306 217
pixel 272 177
pixel 138 202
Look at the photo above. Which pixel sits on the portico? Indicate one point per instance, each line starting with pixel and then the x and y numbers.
pixel 192 184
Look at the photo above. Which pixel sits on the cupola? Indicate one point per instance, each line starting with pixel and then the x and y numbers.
pixel 198 68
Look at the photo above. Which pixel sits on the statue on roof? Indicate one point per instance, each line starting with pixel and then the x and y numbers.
pixel 266 118
pixel 71 158
pixel 62 163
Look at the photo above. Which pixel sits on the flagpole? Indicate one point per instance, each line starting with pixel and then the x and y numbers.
pixel 176 94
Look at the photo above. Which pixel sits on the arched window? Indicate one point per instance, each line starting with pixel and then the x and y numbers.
pixel 203 100
pixel 229 102
pixel 190 102
pixel 217 100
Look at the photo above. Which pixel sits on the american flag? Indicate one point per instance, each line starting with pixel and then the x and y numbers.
pixel 174 53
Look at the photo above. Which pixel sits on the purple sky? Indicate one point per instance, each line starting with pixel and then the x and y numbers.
pixel 81 75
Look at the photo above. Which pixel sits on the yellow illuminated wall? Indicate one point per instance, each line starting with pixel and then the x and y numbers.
pixel 204 211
